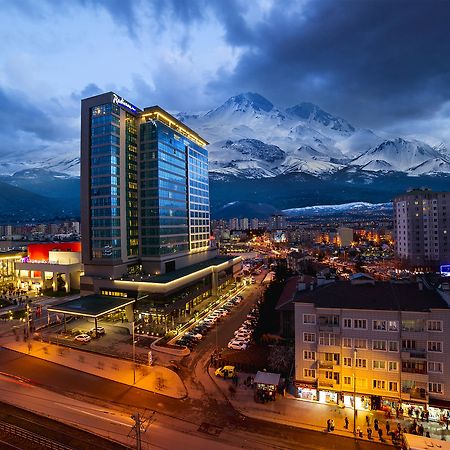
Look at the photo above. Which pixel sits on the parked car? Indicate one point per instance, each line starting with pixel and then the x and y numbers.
pixel 237 345
pixel 225 372
pixel 100 330
pixel 84 338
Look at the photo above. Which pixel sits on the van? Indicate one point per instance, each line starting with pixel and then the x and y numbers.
pixel 225 372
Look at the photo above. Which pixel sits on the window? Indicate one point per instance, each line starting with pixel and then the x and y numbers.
pixel 347 323
pixel 328 339
pixel 347 342
pixel 347 380
pixel 434 366
pixel 361 363
pixel 393 386
pixel 360 343
pixel 330 321
pixel 379 384
pixel 379 345
pixel 309 337
pixel 308 355
pixel 393 325
pixel 434 325
pixel 434 346
pixel 360 324
pixel 435 387
pixel 347 362
pixel 379 325
pixel 309 319
pixel 361 383
pixel 393 346
pixel 379 365
pixel 393 366
pixel 309 373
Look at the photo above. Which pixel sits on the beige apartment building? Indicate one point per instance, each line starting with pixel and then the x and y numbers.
pixel 373 343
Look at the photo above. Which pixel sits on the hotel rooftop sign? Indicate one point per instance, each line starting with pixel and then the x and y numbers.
pixel 122 102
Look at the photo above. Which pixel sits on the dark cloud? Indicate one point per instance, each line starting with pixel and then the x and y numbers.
pixel 370 61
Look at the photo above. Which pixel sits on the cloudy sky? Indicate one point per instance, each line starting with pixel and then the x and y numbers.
pixel 380 64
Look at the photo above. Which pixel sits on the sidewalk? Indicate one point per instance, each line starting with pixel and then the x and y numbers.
pixel 292 411
pixel 156 379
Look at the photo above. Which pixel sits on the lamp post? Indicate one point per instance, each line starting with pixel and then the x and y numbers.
pixel 354 391
pixel 134 356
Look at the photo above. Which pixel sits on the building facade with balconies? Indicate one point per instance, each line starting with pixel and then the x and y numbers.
pixel 372 343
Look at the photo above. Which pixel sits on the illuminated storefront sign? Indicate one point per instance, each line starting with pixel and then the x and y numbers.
pixel 445 270
pixel 122 102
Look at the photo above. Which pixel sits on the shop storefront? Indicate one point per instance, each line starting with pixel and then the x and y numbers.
pixel 306 392
pixel 328 397
pixel 362 402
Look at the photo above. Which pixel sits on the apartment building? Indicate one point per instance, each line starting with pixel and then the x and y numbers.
pixel 375 343
pixel 421 227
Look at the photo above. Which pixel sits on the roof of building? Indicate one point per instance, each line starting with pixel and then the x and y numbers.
pixel 180 273
pixel 267 378
pixel 174 123
pixel 285 302
pixel 91 306
pixel 378 296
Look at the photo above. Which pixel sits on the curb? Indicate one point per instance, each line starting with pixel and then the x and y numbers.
pixel 88 373
pixel 300 425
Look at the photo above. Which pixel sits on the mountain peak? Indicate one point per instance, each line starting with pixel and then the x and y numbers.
pixel 311 112
pixel 250 100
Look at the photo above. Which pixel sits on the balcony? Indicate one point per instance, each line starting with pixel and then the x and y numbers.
pixel 414 353
pixel 329 328
pixel 325 365
pixel 325 383
pixel 414 370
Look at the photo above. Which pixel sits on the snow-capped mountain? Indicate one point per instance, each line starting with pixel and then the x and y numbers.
pixel 402 156
pixel 251 137
pixel 322 210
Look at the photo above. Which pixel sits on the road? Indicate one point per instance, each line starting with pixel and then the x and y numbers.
pixel 106 406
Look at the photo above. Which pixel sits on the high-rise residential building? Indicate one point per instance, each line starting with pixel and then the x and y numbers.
pixel 345 236
pixel 277 222
pixel 234 224
pixel 254 224
pixel 421 227
pixel 145 205
pixel 243 223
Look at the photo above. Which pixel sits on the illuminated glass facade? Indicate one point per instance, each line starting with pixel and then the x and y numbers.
pixel 105 238
pixel 148 186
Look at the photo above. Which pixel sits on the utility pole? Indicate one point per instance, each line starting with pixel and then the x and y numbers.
pixel 354 392
pixel 137 427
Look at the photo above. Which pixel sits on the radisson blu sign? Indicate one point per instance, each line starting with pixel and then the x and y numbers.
pixel 122 102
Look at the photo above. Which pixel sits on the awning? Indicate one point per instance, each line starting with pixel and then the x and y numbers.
pixel 267 378
pixel 91 306
pixel 439 403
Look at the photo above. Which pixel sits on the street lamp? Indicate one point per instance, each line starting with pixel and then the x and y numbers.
pixel 354 391
pixel 134 356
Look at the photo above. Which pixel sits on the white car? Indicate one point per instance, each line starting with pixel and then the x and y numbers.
pixel 196 335
pixel 242 334
pixel 84 338
pixel 237 345
pixel 100 330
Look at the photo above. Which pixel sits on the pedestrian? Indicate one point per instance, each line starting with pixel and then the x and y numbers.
pixel 332 425
pixel 375 424
pixel 346 423
pixel 367 420
pixel 421 429
pixel 380 433
pixel 388 427
pixel 369 433
pixel 427 434
pixel 358 431
pixel 328 425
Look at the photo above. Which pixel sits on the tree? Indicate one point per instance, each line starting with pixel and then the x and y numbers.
pixel 281 358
